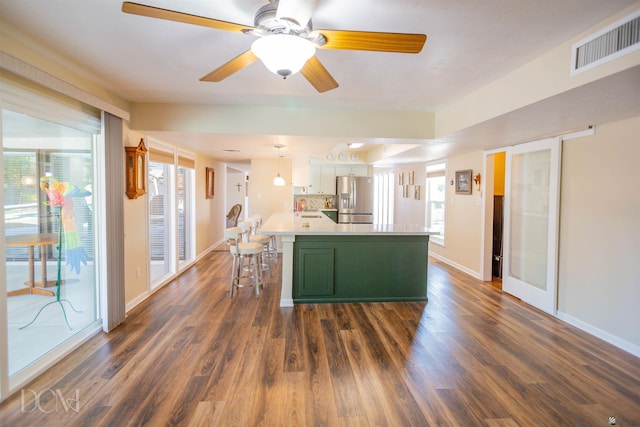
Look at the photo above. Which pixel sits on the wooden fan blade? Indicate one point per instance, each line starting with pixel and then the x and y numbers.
pixel 318 76
pixel 298 10
pixel 373 41
pixel 236 64
pixel 171 15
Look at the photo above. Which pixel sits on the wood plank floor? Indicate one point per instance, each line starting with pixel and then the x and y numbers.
pixel 471 356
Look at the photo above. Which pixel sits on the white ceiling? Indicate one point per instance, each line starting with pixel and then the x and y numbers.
pixel 470 43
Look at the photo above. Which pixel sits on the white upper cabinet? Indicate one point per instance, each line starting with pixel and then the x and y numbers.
pixel 322 180
pixel 328 180
pixel 355 170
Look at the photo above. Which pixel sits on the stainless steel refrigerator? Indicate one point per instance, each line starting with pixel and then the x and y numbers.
pixel 355 199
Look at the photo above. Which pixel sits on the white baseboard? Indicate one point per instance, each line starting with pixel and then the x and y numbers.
pixel 286 302
pixel 599 333
pixel 209 249
pixel 457 266
pixel 137 300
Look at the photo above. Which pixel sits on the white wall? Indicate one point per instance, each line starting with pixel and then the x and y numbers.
pixel 235 193
pixel 409 210
pixel 463 219
pixel 599 280
pixel 210 213
pixel 210 222
pixel 136 252
pixel 264 197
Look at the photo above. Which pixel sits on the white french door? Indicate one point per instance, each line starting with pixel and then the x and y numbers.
pixel 531 222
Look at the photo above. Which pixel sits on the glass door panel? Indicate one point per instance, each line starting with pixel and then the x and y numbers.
pixel 185 179
pixel 531 221
pixel 50 265
pixel 530 217
pixel 160 220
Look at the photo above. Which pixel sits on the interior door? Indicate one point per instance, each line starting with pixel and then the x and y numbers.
pixel 531 208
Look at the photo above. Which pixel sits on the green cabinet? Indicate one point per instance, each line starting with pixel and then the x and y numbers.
pixel 360 268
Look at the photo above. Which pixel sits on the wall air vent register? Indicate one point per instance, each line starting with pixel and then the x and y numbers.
pixel 612 42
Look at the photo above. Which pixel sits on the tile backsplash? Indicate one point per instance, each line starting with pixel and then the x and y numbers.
pixel 314 202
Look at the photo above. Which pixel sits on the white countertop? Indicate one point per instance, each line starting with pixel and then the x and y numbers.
pixel 316 223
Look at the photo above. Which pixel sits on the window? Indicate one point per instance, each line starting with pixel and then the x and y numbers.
pixel 186 210
pixel 435 200
pixel 161 235
pixel 170 190
pixel 383 197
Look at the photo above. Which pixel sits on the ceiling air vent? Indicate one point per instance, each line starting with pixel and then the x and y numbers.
pixel 607 44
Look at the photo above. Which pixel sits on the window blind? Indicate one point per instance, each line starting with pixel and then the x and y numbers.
pixel 160 156
pixel 26 97
pixel 186 162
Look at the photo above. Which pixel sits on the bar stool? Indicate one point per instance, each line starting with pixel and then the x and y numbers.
pixel 240 251
pixel 265 239
pixel 247 232
pixel 273 247
pixel 246 227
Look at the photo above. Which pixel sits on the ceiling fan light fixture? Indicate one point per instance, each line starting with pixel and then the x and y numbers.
pixel 283 54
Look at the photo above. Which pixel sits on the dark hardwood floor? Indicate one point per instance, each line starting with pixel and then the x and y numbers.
pixel 471 356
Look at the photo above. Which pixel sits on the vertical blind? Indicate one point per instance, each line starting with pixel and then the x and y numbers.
pixel 115 304
pixel 383 184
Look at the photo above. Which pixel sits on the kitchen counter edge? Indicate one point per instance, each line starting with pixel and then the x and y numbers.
pixel 290 224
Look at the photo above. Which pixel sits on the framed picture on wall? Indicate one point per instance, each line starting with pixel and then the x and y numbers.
pixel 463 181
pixel 210 182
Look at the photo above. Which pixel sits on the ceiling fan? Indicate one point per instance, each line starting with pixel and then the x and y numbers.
pixel 286 41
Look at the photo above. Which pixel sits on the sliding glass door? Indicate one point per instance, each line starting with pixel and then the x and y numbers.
pixel 50 261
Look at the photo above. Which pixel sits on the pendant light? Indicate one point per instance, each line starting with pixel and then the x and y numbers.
pixel 278 181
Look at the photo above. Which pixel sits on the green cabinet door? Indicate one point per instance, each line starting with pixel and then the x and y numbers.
pixel 314 272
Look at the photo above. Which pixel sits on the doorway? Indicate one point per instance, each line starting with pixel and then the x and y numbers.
pixel 494 181
pixel 498 215
pixel 237 190
pixel 527 255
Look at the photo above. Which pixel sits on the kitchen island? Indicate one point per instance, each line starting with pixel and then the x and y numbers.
pixel 327 262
